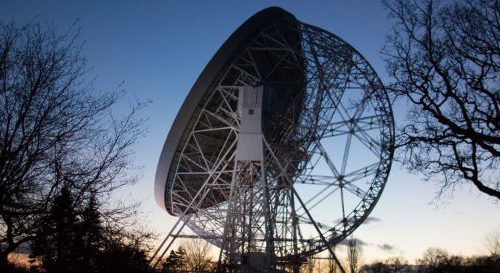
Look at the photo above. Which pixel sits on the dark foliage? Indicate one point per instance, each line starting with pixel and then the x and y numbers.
pixel 62 152
pixel 122 258
pixel 58 241
pixel 75 239
pixel 175 262
pixel 436 260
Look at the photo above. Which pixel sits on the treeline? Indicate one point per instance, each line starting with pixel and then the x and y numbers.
pixel 193 257
pixel 75 237
pixel 433 260
pixel 436 260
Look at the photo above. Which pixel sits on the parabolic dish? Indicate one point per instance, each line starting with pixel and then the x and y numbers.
pixel 321 102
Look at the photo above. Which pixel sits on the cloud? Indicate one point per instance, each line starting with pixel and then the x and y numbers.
pixel 359 242
pixel 386 247
pixel 362 244
pixel 370 220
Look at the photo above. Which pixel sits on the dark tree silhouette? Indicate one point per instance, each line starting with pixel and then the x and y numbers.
pixel 197 251
pixel 397 265
pixel 445 59
pixel 55 130
pixel 172 263
pixel 376 267
pixel 331 265
pixel 433 257
pixel 353 255
pixel 92 233
pixel 435 260
pixel 123 257
pixel 493 243
pixel 74 238
pixel 58 241
pixel 176 261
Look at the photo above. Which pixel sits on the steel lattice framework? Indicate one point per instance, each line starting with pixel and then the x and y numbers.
pixel 325 103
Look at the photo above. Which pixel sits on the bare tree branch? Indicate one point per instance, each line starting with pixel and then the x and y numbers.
pixel 444 58
pixel 55 130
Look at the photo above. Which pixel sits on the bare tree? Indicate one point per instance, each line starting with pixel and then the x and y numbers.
pixel 397 264
pixel 198 253
pixel 376 267
pixel 332 266
pixel 55 130
pixel 434 259
pixel 493 243
pixel 311 265
pixel 353 255
pixel 445 59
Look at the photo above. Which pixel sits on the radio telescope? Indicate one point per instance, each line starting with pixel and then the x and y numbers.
pixel 281 149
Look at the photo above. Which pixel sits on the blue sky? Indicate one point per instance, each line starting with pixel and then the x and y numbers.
pixel 158 48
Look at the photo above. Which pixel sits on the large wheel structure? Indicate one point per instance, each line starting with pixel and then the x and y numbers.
pixel 327 143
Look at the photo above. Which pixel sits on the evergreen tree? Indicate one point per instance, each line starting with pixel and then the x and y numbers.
pixel 120 257
pixel 58 242
pixel 176 261
pixel 172 263
pixel 91 234
pixel 182 258
pixel 73 238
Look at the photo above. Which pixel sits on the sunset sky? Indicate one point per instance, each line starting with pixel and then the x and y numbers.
pixel 158 49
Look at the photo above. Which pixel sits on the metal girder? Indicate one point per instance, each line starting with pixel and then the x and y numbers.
pixel 308 165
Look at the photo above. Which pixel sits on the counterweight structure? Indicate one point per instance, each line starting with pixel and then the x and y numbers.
pixel 259 160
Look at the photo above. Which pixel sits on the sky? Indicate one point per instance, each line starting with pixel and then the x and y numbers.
pixel 158 48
